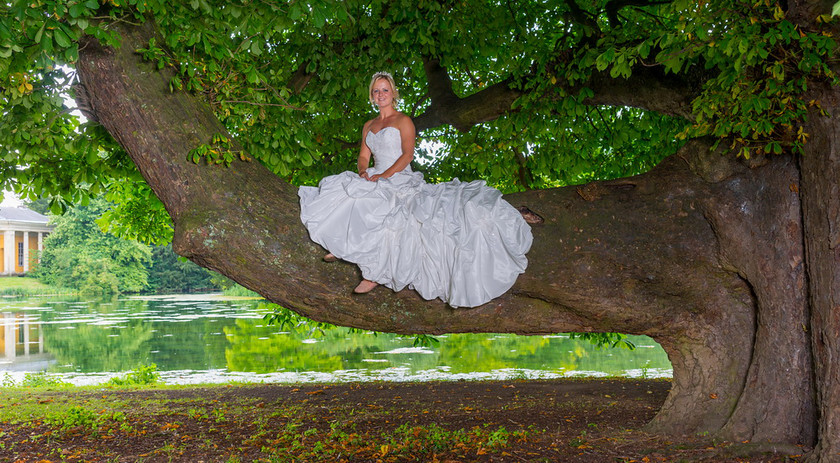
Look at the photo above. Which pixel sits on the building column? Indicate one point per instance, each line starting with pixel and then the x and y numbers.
pixel 25 328
pixel 25 251
pixel 40 247
pixel 9 252
pixel 9 335
pixel 40 337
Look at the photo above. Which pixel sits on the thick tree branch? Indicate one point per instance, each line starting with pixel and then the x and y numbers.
pixel 805 12
pixel 614 6
pixel 647 88
pixel 462 113
pixel 583 17
pixel 300 79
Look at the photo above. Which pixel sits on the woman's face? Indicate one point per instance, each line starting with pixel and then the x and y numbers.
pixel 382 93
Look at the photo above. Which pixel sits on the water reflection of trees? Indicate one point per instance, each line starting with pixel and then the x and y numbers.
pixel 112 335
pixel 118 344
pixel 119 335
pixel 257 349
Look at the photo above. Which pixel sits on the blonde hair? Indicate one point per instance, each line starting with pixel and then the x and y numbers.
pixel 387 76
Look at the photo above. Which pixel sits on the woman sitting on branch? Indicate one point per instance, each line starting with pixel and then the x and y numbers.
pixel 460 242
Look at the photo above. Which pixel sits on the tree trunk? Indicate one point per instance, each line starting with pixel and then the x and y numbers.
pixel 702 254
pixel 820 167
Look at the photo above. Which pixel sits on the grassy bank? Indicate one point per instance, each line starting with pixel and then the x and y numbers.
pixel 240 291
pixel 571 420
pixel 28 286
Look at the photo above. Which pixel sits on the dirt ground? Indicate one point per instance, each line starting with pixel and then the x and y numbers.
pixel 508 421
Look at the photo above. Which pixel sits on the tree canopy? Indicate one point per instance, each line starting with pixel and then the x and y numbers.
pixel 216 108
pixel 296 102
pixel 289 82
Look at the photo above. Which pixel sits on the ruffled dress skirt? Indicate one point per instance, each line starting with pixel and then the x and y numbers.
pixel 456 241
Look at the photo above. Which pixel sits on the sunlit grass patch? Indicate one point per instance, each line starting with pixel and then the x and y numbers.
pixel 407 442
pixel 28 286
pixel 33 380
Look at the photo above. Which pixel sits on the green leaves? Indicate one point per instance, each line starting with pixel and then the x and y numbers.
pixel 219 151
pixel 289 83
pixel 763 64
pixel 77 254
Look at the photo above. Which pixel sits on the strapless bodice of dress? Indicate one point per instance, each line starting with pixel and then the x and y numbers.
pixel 386 146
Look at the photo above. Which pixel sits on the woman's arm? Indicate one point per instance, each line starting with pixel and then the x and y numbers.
pixel 408 137
pixel 363 162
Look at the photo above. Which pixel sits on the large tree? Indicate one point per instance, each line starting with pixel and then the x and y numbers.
pixel 727 252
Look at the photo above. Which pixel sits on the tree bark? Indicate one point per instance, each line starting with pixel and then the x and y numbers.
pixel 702 254
pixel 820 186
pixel 647 88
pixel 821 213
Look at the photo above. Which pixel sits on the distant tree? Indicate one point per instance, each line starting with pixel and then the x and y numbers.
pixel 40 205
pixel 78 254
pixel 167 273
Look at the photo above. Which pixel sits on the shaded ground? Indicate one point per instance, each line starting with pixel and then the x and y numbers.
pixel 508 421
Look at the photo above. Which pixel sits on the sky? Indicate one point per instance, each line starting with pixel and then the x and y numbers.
pixel 10 200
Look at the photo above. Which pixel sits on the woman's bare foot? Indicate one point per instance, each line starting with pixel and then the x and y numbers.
pixel 365 286
pixel 330 257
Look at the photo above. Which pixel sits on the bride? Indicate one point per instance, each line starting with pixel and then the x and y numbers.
pixel 460 242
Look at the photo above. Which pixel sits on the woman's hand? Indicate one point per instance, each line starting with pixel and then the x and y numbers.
pixel 364 174
pixel 376 177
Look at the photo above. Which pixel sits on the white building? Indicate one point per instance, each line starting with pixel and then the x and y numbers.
pixel 22 234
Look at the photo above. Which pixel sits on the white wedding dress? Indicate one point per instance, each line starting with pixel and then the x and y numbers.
pixel 460 242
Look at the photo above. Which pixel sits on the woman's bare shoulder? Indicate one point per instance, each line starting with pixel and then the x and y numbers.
pixel 366 127
pixel 404 122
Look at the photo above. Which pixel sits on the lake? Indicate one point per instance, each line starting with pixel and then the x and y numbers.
pixel 210 338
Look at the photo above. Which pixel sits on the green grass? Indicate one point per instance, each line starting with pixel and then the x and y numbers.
pixel 240 291
pixel 28 286
pixel 283 431
pixel 141 376
pixel 20 282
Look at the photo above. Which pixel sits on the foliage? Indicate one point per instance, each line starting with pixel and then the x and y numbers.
pixel 40 205
pixel 763 63
pixel 80 417
pixel 146 375
pixel 73 417
pixel 296 102
pixel 78 254
pixel 136 214
pixel 287 319
pixel 31 380
pixel 605 339
pixel 169 273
